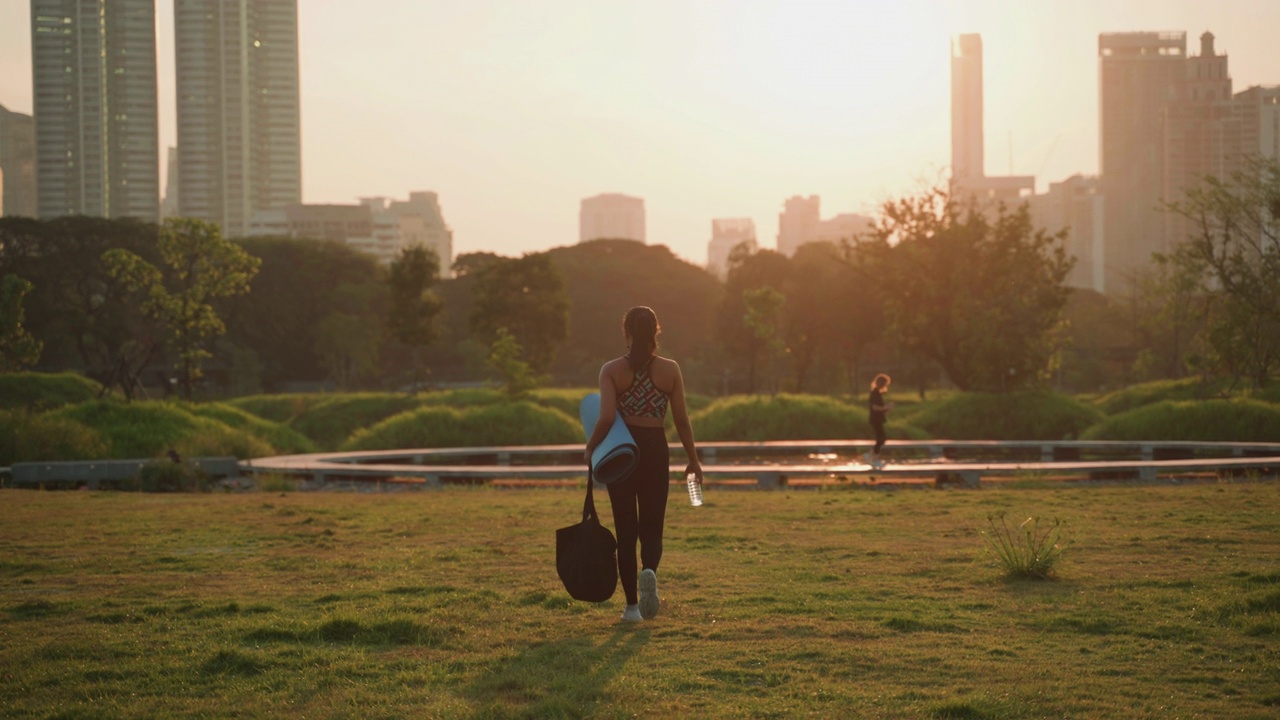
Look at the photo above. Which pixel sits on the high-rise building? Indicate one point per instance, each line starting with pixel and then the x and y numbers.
pixel 377 226
pixel 969 179
pixel 801 222
pixel 239 142
pixel 1076 206
pixel 18 163
pixel 1139 75
pixel 726 235
pixel 798 222
pixel 96 127
pixel 967 152
pixel 611 216
pixel 169 205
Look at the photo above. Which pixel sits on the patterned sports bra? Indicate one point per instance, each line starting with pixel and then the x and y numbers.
pixel 643 398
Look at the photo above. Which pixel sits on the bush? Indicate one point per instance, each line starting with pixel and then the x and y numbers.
pixel 521 423
pixel 283 439
pixel 27 437
pixel 42 391
pixel 149 429
pixel 1032 415
pixel 757 418
pixel 163 476
pixel 1193 421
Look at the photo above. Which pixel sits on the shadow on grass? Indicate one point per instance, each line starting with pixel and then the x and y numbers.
pixel 565 678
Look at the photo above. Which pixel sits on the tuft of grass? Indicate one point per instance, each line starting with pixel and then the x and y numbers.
pixel 280 437
pixel 1025 551
pixel 1240 420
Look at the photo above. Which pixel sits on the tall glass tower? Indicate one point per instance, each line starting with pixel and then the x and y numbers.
pixel 96 127
pixel 239 142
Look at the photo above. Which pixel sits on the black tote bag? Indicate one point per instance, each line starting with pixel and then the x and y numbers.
pixel 587 555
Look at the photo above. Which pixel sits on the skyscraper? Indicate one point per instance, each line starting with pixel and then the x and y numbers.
pixel 1139 74
pixel 727 234
pixel 611 216
pixel 18 163
pixel 967 159
pixel 239 142
pixel 96 128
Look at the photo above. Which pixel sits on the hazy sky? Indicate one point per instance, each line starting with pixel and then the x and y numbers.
pixel 515 111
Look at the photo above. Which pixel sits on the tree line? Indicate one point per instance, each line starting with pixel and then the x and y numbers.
pixel 939 292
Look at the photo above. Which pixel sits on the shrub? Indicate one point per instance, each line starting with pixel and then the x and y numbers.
pixel 520 423
pixel 27 436
pixel 756 418
pixel 42 391
pixel 163 476
pixel 1032 415
pixel 566 400
pixel 1026 551
pixel 283 439
pixel 1193 421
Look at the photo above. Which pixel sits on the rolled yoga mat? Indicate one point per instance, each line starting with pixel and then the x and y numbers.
pixel 615 457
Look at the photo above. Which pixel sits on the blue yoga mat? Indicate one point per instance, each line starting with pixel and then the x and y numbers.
pixel 615 457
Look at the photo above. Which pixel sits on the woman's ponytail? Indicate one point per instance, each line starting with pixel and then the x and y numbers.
pixel 641 325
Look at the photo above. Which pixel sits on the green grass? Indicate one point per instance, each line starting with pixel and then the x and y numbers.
pixel 1035 415
pixel 1238 420
pixel 149 429
pixel 41 391
pixel 29 436
pixel 838 603
pixel 753 418
pixel 282 438
pixel 518 423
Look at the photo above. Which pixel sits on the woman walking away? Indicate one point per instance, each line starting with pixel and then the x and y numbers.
pixel 879 408
pixel 639 386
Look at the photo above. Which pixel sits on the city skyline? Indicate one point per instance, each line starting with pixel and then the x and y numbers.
pixel 704 110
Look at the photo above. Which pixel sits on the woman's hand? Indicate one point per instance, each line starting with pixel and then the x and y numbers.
pixel 694 467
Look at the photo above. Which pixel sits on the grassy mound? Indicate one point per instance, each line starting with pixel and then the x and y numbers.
pixel 757 418
pixel 1035 415
pixel 1190 420
pixel 520 423
pixel 27 436
pixel 279 436
pixel 42 391
pixel 1148 393
pixel 332 419
pixel 149 429
pixel 281 408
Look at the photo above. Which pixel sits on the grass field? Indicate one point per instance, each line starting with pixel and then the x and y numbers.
pixel 835 603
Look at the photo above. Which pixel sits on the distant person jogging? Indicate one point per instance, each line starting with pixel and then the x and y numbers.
pixel 879 409
pixel 639 386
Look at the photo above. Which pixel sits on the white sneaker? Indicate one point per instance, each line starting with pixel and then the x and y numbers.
pixel 648 594
pixel 632 614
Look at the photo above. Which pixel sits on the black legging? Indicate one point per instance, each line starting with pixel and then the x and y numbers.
pixel 640 507
pixel 880 437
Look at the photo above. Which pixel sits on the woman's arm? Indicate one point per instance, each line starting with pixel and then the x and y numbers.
pixel 608 408
pixel 680 414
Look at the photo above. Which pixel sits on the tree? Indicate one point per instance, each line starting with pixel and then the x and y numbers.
pixel 301 282
pixel 348 347
pixel 506 357
pixel 748 271
pixel 200 266
pixel 1234 245
pixel 18 350
pixel 414 306
pixel 983 297
pixel 527 297
pixel 763 318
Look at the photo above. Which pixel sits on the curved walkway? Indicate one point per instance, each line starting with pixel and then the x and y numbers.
pixel 775 464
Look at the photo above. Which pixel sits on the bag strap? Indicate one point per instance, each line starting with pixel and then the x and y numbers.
pixel 589 505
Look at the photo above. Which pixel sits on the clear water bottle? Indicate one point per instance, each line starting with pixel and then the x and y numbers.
pixel 695 489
